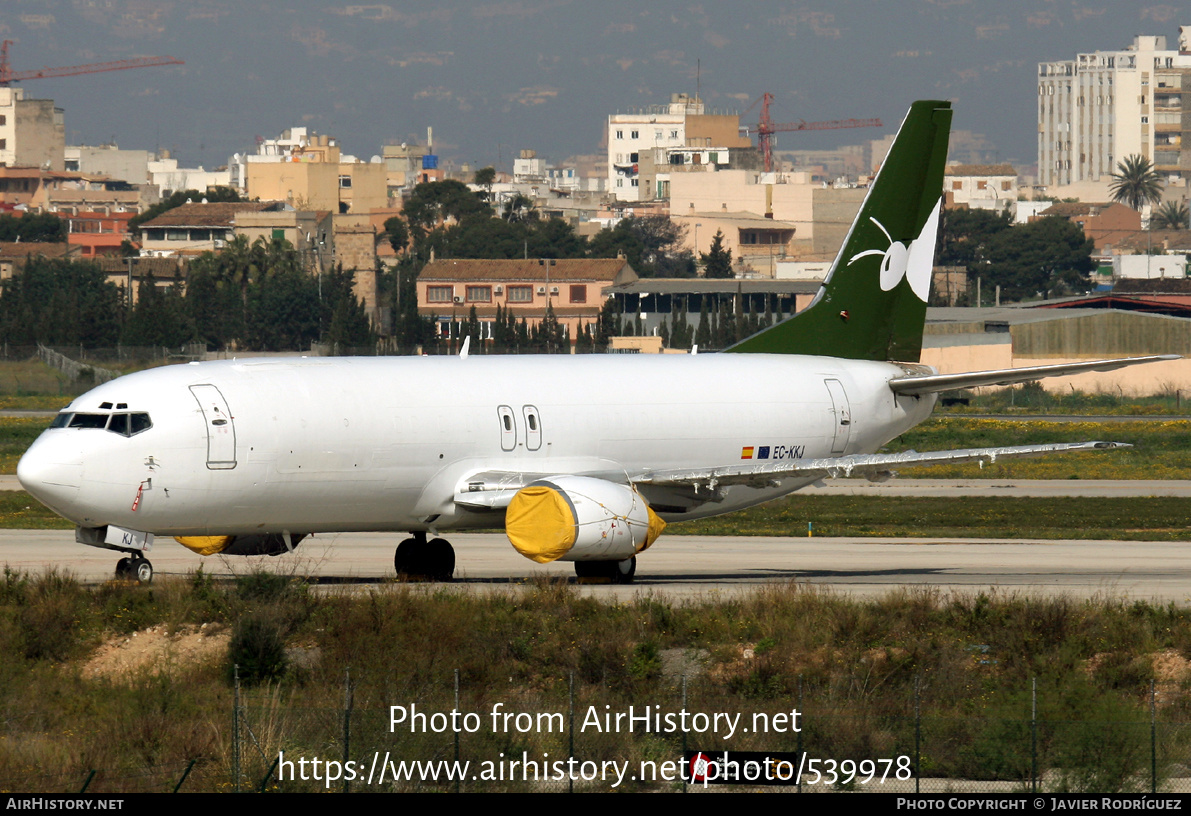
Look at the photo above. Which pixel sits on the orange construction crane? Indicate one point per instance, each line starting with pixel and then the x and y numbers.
pixel 766 127
pixel 7 75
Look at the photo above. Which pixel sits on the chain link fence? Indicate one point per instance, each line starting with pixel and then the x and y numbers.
pixel 575 737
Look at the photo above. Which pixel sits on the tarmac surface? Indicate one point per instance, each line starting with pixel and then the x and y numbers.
pixel 692 567
pixel 959 487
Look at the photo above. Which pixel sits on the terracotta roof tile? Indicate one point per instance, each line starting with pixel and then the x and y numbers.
pixel 220 214
pixel 598 270
pixel 981 170
pixel 22 249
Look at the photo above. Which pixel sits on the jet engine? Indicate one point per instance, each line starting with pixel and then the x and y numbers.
pixel 255 544
pixel 579 518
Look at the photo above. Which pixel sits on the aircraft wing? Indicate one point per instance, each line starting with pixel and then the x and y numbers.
pixel 930 383
pixel 492 490
pixel 867 464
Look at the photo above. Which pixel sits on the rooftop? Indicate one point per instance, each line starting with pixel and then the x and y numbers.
pixel 221 214
pixel 981 170
pixel 598 270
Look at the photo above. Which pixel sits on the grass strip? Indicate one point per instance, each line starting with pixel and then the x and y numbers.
pixel 1154 518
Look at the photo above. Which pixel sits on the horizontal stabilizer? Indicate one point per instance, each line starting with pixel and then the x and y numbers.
pixel 871 464
pixel 933 383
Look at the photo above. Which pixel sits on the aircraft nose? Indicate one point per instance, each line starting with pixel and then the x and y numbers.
pixel 51 473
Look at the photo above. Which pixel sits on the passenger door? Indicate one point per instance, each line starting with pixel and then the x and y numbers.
pixel 221 427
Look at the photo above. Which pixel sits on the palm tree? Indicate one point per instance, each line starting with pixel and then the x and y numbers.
pixel 1136 183
pixel 1172 215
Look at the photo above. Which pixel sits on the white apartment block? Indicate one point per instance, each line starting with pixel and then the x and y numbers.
pixel 1097 109
pixel 633 138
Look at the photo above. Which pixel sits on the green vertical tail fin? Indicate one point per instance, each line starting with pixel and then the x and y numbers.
pixel 872 305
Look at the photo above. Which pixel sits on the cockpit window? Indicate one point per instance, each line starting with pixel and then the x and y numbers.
pixel 119 424
pixel 88 421
pixel 123 424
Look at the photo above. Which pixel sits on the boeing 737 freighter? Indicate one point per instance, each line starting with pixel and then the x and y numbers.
pixel 580 458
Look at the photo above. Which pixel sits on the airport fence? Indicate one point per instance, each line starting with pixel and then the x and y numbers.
pixel 576 737
pixel 579 737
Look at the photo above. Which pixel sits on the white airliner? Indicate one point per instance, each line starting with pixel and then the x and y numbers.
pixel 580 458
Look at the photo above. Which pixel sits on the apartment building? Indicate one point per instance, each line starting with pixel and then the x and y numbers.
pixel 641 144
pixel 573 289
pixel 1100 107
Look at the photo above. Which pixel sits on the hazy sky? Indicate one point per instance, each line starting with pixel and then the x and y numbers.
pixel 493 78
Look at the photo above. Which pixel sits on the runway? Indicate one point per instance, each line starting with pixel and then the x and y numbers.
pixel 692 567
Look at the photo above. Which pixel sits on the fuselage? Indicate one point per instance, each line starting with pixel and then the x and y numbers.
pixel 384 443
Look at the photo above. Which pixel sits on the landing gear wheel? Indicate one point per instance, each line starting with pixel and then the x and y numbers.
pixel 616 572
pixel 418 559
pixel 124 568
pixel 439 561
pixel 405 560
pixel 142 570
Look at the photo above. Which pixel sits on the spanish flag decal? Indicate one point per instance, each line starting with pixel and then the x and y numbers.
pixel 746 453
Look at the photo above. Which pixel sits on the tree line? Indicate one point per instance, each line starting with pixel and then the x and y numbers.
pixel 249 296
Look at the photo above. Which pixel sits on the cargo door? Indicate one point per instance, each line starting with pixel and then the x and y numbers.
pixel 221 427
pixel 842 413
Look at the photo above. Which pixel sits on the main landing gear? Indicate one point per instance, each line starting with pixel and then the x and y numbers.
pixel 616 572
pixel 421 560
pixel 135 568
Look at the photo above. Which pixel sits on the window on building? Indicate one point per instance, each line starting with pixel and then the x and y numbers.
pixel 3 144
pixel 957 185
pixel 278 235
pixel 620 182
pixel 981 185
pixel 635 182
pixel 633 157
pixel 345 182
pixel 657 135
pixel 634 135
pixel 620 134
pixel 674 134
pixel 479 294
pixel 520 294
pixel 3 120
pixel 439 294
pixel 1006 185
pixel 579 293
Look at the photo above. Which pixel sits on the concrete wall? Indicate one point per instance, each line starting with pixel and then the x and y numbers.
pixel 834 210
pixel 40 135
pixel 1112 334
pixel 1136 381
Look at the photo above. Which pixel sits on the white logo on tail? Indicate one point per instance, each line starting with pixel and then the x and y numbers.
pixel 914 263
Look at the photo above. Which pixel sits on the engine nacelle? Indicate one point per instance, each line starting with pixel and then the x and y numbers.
pixel 578 518
pixel 254 544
